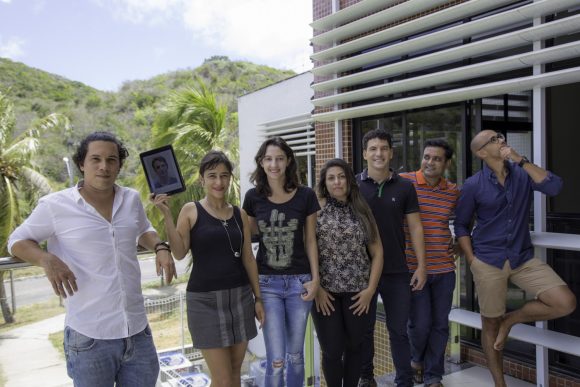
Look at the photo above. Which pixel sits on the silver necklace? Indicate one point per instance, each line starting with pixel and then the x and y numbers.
pixel 214 210
pixel 224 223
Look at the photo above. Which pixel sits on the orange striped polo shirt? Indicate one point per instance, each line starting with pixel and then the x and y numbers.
pixel 437 205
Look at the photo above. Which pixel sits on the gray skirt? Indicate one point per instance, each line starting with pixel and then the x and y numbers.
pixel 221 318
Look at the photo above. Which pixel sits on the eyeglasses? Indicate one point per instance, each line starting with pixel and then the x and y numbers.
pixel 493 140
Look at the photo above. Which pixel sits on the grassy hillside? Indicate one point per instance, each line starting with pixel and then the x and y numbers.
pixel 129 113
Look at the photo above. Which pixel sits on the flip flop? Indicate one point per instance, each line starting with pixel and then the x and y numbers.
pixel 418 375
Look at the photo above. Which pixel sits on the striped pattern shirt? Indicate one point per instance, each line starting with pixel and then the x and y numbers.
pixel 437 205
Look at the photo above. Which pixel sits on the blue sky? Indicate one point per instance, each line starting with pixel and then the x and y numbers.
pixel 103 43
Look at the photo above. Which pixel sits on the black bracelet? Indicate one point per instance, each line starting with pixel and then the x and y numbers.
pixel 523 161
pixel 164 245
pixel 161 249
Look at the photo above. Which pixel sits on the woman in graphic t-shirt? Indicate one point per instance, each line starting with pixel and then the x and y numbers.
pixel 222 293
pixel 283 214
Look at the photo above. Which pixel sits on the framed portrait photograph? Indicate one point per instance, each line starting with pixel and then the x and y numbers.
pixel 162 171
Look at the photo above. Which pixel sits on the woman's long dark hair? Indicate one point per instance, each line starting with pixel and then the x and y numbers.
pixel 354 198
pixel 259 177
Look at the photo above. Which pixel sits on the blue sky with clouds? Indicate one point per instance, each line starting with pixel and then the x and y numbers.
pixel 105 42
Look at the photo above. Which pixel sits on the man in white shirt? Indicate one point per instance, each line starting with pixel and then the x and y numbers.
pixel 92 232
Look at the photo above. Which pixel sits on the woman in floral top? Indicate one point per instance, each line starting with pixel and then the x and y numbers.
pixel 345 230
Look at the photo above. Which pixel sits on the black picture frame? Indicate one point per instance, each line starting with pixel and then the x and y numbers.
pixel 173 179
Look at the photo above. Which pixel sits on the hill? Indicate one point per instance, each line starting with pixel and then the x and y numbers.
pixel 129 113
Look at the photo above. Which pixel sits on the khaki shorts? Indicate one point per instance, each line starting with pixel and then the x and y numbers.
pixel 491 283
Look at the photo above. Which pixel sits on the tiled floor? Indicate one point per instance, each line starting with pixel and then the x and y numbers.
pixel 478 377
pixel 473 376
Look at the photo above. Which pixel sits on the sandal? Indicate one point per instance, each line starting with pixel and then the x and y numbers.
pixel 417 374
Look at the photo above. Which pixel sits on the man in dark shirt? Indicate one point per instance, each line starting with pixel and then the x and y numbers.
pixel 392 200
pixel 500 248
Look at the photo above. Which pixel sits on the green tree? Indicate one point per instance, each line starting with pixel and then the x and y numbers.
pixel 193 121
pixel 21 183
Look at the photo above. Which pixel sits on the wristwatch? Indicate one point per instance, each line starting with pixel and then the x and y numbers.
pixel 523 161
pixel 161 246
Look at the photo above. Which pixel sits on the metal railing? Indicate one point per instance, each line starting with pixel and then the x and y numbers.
pixel 10 264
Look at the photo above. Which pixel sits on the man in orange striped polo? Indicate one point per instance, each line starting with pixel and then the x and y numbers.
pixel 429 318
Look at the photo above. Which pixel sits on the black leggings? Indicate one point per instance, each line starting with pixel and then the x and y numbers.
pixel 341 336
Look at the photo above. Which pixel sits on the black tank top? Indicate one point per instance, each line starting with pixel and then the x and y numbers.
pixel 214 265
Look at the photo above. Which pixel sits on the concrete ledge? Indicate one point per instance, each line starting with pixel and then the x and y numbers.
pixel 555 240
pixel 526 333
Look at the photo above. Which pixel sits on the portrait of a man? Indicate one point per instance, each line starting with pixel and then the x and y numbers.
pixel 162 175
pixel 162 171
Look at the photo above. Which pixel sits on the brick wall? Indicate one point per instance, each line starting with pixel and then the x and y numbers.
pixel 324 144
pixel 516 369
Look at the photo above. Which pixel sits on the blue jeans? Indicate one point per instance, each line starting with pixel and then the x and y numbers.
pixel 429 324
pixel 396 294
pixel 284 328
pixel 128 362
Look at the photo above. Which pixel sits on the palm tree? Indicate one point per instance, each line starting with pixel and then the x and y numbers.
pixel 21 185
pixel 194 121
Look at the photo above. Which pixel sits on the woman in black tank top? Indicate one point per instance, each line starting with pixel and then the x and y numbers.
pixel 223 295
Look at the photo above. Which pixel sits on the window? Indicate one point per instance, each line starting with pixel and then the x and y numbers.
pixel 410 130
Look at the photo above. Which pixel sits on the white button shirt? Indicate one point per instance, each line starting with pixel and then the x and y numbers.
pixel 102 256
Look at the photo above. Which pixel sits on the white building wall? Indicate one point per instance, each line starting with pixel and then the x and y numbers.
pixel 283 99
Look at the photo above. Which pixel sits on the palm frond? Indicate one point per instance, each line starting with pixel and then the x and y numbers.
pixel 7 120
pixel 21 148
pixel 21 185
pixel 51 121
pixel 194 135
pixel 36 181
pixel 9 212
pixel 194 122
pixel 20 151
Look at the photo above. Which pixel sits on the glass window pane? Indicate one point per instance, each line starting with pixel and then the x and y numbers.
pixel 441 123
pixel 393 125
pixel 521 142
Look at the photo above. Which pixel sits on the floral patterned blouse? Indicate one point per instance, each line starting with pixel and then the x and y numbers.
pixel 342 249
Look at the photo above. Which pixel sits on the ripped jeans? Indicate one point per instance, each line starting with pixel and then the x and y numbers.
pixel 284 329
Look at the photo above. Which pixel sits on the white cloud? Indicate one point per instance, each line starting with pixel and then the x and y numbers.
pixel 159 52
pixel 39 6
pixel 271 31
pixel 142 11
pixel 6 1
pixel 12 47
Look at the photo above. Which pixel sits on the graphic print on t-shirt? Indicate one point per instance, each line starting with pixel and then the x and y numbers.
pixel 278 238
